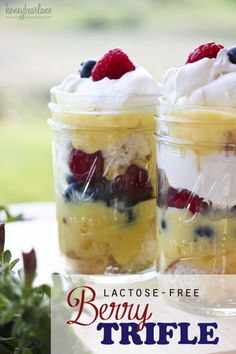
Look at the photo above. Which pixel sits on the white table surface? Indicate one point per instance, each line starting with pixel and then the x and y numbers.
pixel 39 231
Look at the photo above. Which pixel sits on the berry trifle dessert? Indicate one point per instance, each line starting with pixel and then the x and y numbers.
pixel 196 158
pixel 105 167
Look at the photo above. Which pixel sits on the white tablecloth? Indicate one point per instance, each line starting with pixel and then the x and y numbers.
pixel 39 231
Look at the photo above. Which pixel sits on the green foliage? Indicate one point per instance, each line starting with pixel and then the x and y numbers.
pixel 6 216
pixel 24 312
pixel 26 166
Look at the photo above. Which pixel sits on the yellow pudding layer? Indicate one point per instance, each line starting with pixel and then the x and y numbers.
pixel 201 130
pixel 105 237
pixel 97 120
pixel 198 242
pixel 92 132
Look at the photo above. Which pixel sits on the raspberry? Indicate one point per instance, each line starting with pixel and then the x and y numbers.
pixel 136 175
pixel 113 65
pixel 184 199
pixel 208 50
pixel 86 167
pixel 133 184
pixel 139 188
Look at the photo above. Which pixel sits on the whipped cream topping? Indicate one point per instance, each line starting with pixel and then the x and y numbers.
pixel 135 88
pixel 207 82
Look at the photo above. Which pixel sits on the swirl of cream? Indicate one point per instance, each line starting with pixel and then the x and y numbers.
pixel 207 82
pixel 135 88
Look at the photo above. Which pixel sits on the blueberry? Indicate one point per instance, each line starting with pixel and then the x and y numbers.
pixel 204 231
pixel 93 192
pixel 163 224
pixel 78 192
pixel 70 179
pixel 232 55
pixel 86 68
pixel 70 192
pixel 90 193
pixel 102 189
pixel 105 192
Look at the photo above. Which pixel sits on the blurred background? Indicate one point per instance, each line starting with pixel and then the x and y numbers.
pixel 36 54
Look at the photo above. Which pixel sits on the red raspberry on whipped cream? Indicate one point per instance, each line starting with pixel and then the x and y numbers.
pixel 207 79
pixel 113 65
pixel 207 50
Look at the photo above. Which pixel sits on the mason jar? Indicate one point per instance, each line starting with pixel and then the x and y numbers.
pixel 196 204
pixel 105 183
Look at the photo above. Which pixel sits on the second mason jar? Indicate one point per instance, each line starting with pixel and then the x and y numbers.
pixel 196 158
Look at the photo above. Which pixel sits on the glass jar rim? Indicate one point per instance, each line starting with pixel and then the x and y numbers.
pixel 70 103
pixel 164 101
pixel 65 128
pixel 170 112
